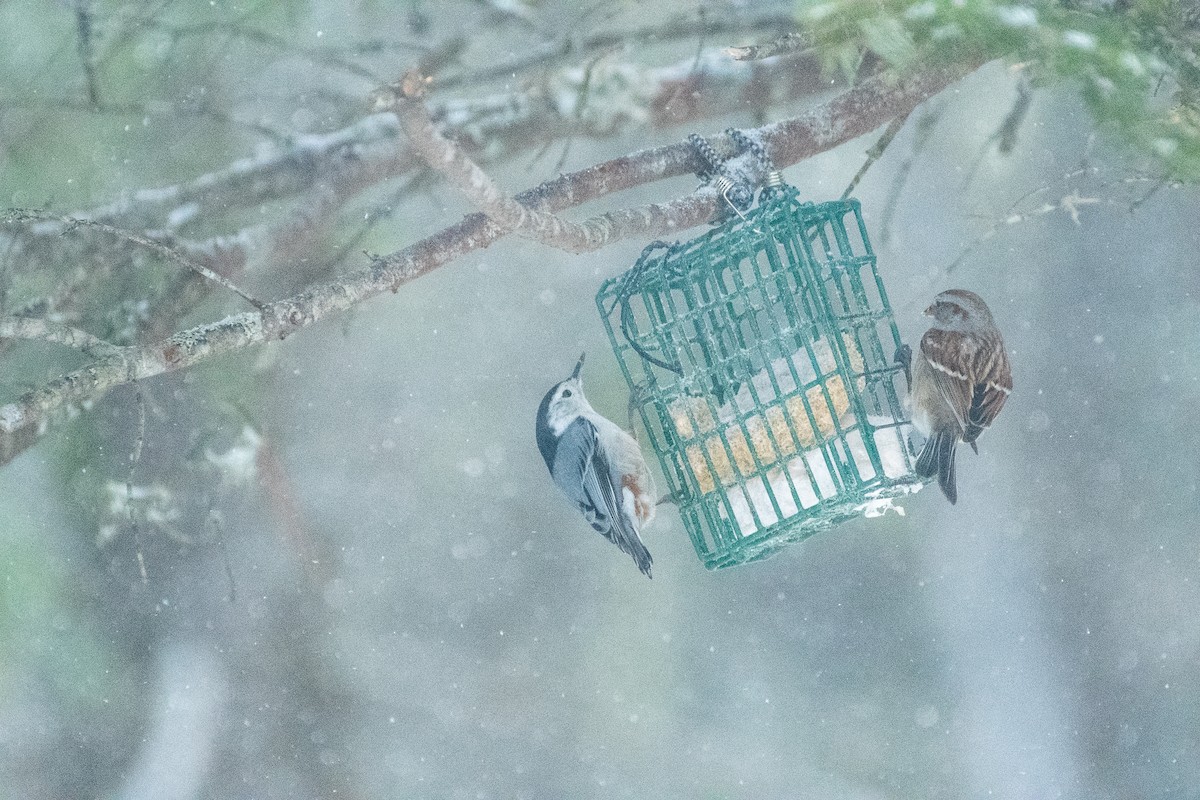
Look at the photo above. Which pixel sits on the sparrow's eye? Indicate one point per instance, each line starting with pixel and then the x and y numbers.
pixel 566 393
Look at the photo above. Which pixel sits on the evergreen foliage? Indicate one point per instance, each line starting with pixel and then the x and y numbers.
pixel 1134 61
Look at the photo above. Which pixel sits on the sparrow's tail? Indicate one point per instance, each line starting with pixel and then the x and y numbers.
pixel 938 459
pixel 973 431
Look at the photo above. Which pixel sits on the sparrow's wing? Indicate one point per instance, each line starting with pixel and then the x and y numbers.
pixel 943 350
pixel 585 476
pixel 992 388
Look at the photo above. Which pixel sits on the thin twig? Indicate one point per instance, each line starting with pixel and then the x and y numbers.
pixel 135 458
pixel 1155 186
pixel 846 117
pixel 673 28
pixel 876 151
pixel 85 45
pixel 217 530
pixel 326 56
pixel 701 12
pixel 926 123
pixel 469 178
pixel 34 329
pixel 1006 135
pixel 784 45
pixel 169 253
pixel 1069 203
pixel 581 100
pixel 372 218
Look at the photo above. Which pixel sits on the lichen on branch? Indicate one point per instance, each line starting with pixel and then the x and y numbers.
pixel 855 112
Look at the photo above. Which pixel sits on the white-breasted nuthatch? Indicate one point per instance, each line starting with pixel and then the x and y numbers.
pixel 598 466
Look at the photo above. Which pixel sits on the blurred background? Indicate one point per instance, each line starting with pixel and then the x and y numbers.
pixel 359 578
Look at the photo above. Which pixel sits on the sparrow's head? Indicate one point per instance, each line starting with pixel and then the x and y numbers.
pixel 958 309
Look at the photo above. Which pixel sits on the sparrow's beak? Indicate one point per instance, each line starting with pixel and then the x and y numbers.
pixel 928 312
pixel 579 366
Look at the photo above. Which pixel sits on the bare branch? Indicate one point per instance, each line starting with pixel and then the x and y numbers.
pixel 43 330
pixel 925 125
pixel 1068 203
pixel 674 28
pixel 875 152
pixel 466 176
pixel 1005 136
pixel 784 45
pixel 135 458
pixel 324 171
pixel 501 123
pixel 86 48
pixel 1007 133
pixel 852 114
pixel 310 160
pixel 169 253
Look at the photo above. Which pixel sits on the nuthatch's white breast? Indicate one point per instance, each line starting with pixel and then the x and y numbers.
pixel 598 466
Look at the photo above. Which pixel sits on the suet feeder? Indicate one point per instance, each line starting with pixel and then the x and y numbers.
pixel 760 357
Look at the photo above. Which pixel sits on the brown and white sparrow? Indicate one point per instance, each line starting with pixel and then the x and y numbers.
pixel 960 381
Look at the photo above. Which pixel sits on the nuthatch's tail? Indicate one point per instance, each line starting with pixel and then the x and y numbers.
pixel 641 557
pixel 625 537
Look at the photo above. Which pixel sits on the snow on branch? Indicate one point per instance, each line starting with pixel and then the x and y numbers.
pixel 466 176
pixel 34 329
pixel 854 113
pixel 318 173
pixel 784 45
pixel 153 245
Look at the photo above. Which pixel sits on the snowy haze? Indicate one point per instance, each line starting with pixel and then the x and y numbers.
pixel 419 613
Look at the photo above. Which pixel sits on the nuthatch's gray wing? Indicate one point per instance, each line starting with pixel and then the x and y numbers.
pixel 583 472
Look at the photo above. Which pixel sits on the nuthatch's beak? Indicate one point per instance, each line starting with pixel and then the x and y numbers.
pixel 579 366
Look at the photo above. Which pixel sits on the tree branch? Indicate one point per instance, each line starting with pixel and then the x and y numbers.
pixel 326 170
pixel 168 253
pixel 46 331
pixel 685 26
pixel 852 114
pixel 788 43
pixel 466 176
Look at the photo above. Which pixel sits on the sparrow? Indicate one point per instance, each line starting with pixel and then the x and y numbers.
pixel 960 380
pixel 598 466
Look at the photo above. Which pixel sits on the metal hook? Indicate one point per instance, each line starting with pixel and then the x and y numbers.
pixel 724 186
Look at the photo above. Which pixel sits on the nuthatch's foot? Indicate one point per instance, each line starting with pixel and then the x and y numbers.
pixel 637 398
pixel 670 497
pixel 903 357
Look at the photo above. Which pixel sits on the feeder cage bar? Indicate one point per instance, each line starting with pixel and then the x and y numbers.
pixel 760 359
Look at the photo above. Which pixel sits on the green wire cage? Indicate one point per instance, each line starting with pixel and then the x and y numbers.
pixel 760 357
